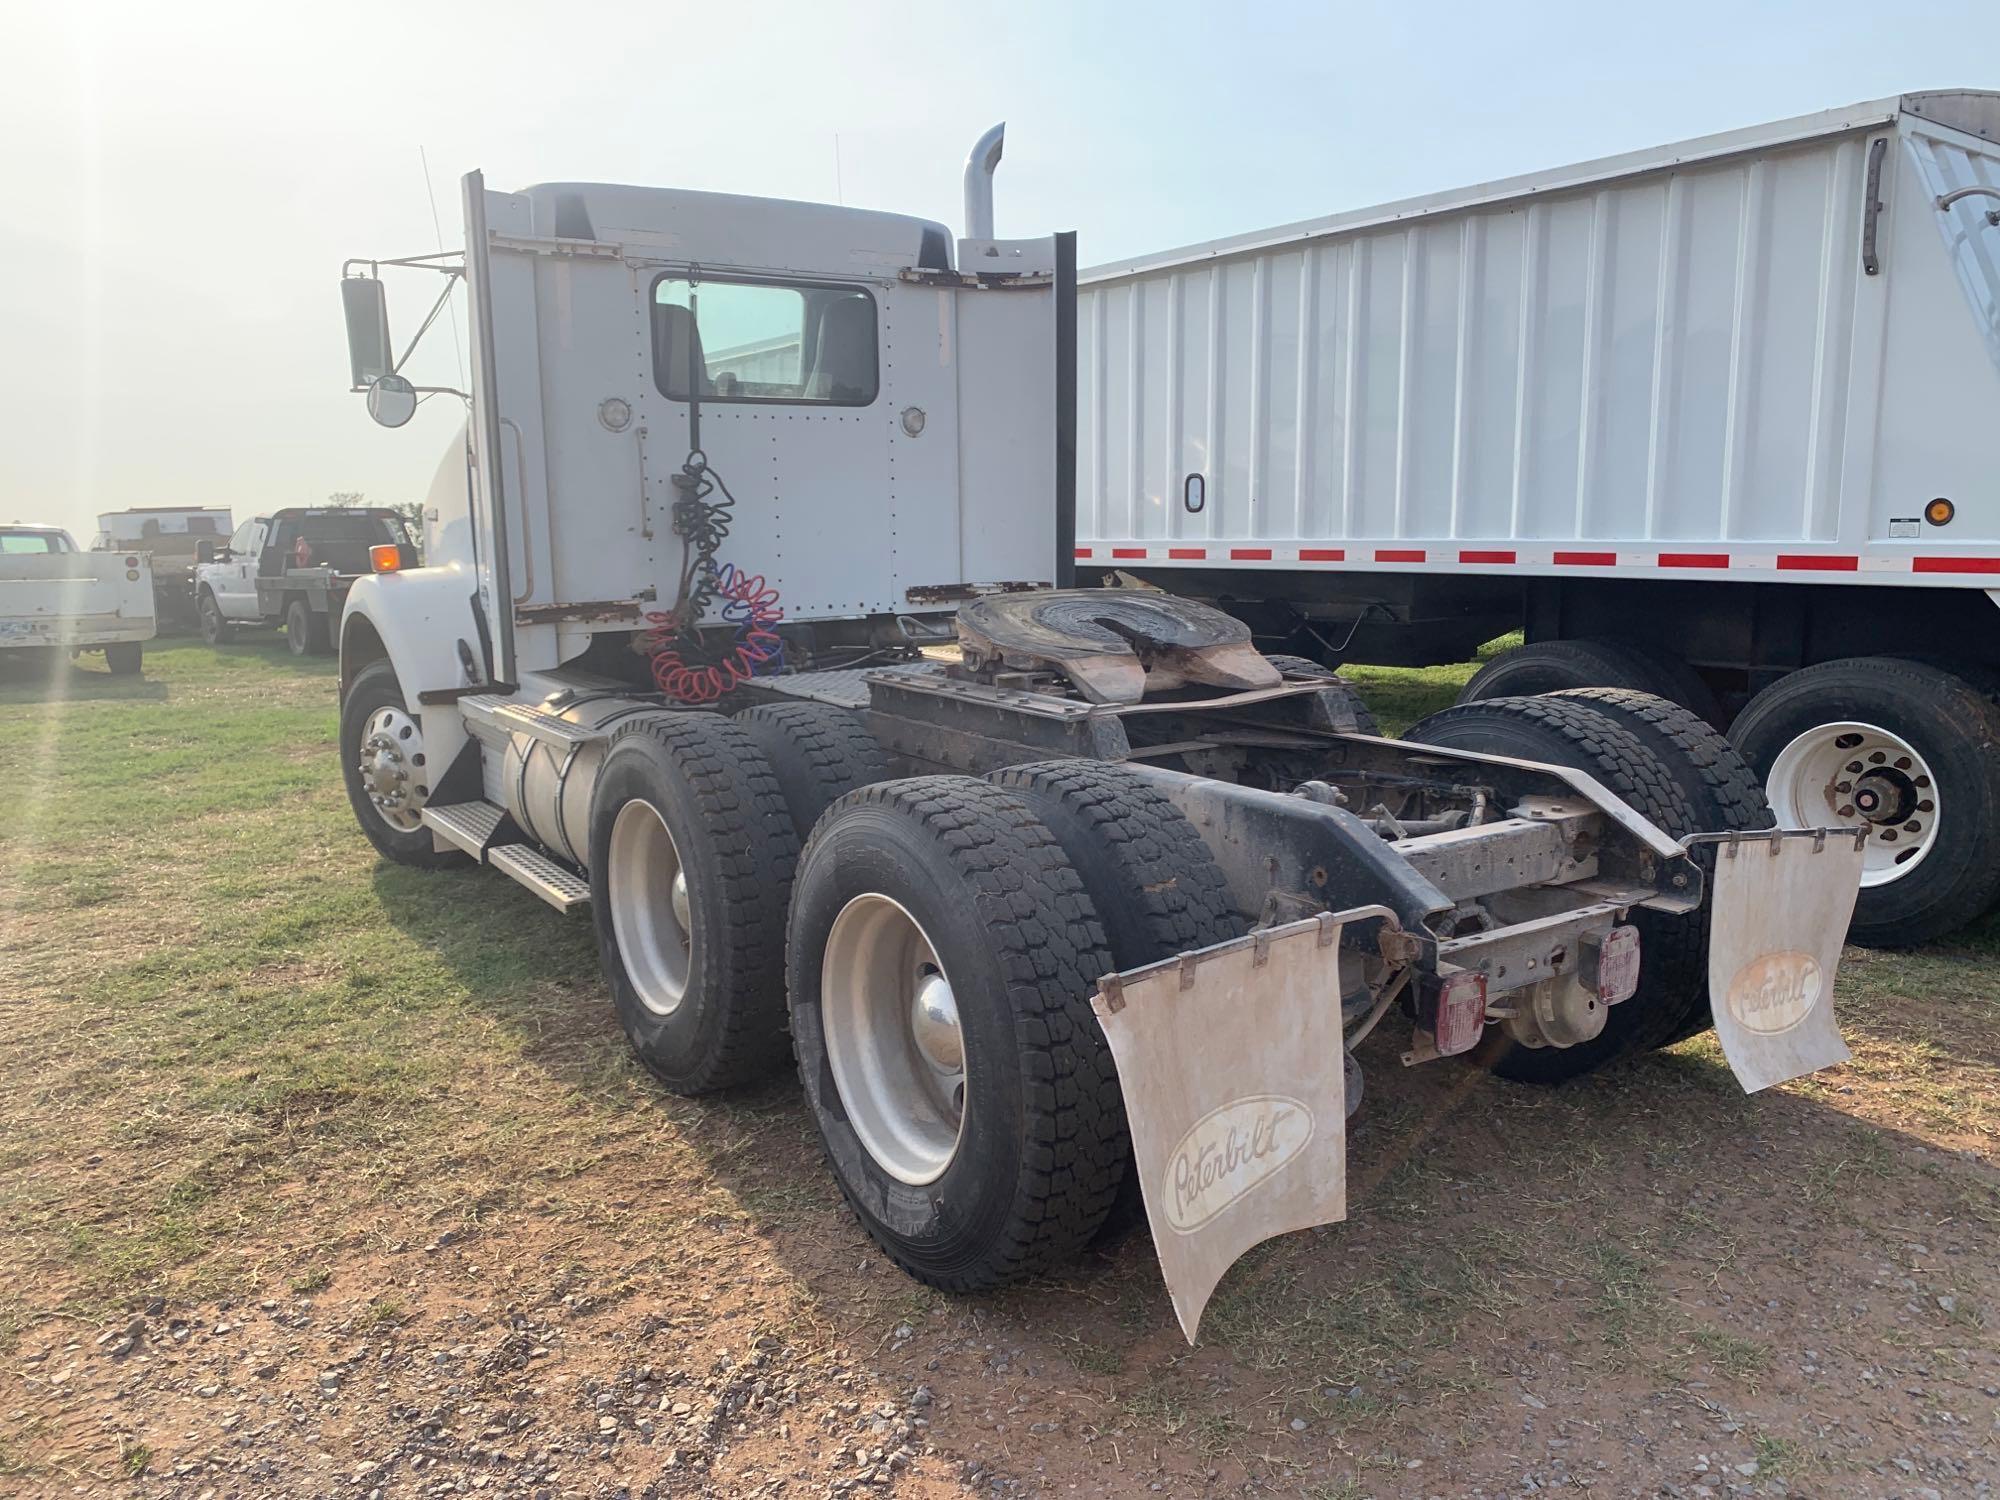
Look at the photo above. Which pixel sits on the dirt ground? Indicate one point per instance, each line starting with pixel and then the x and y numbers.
pixel 326 1178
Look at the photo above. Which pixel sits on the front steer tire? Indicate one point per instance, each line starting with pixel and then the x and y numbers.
pixel 720 1021
pixel 215 630
pixel 1042 1142
pixel 1673 947
pixel 375 688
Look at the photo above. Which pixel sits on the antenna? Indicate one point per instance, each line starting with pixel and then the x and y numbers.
pixel 458 354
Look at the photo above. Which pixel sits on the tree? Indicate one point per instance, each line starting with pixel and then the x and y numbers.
pixel 412 512
pixel 346 499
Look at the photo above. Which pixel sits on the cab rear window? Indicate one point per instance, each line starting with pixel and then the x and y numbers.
pixel 764 341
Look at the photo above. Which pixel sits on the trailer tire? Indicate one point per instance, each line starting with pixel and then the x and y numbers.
pixel 818 752
pixel 305 630
pixel 1305 666
pixel 692 854
pixel 1025 1171
pixel 375 688
pixel 1947 723
pixel 1614 662
pixel 1719 790
pixel 1673 947
pixel 124 658
pixel 215 630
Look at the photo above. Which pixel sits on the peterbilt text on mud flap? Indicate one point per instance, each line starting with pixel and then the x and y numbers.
pixel 1109 900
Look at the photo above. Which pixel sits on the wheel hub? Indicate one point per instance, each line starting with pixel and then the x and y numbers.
pixel 893 1039
pixel 651 908
pixel 1850 772
pixel 392 768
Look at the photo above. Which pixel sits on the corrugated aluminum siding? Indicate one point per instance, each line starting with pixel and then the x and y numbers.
pixel 1661 358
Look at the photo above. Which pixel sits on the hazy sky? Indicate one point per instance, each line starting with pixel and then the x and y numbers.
pixel 183 181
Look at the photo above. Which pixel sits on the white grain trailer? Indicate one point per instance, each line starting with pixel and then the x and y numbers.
pixel 1096 912
pixel 1727 405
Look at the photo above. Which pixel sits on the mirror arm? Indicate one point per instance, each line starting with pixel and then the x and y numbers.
pixel 429 318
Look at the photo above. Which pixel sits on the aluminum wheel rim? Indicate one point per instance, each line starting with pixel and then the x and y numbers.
pixel 893 1038
pixel 650 912
pixel 393 768
pixel 1851 772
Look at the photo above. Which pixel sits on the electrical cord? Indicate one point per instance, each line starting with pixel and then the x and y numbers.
pixel 750 606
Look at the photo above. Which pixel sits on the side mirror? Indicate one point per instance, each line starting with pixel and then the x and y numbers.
pixel 369 355
pixel 204 552
pixel 392 400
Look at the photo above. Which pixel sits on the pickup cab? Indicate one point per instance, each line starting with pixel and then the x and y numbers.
pixel 292 568
pixel 57 601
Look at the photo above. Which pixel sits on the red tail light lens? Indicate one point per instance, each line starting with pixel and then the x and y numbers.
pixel 1611 965
pixel 1461 1012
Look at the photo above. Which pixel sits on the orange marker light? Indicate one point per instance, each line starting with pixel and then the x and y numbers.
pixel 386 557
pixel 1939 511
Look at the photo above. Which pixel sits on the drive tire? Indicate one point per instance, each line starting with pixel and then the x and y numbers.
pixel 215 630
pixel 1673 947
pixel 374 688
pixel 1953 723
pixel 705 782
pixel 1552 666
pixel 1305 666
pixel 1151 876
pixel 818 752
pixel 124 659
pixel 1720 791
pixel 1041 1143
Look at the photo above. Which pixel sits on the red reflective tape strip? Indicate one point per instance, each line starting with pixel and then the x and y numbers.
pixel 1397 554
pixel 1586 559
pixel 1955 565
pixel 1485 557
pixel 1250 554
pixel 1322 554
pixel 1694 559
pixel 1083 552
pixel 1816 562
pixel 1128 551
pixel 1187 552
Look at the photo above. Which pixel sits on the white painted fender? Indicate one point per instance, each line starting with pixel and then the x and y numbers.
pixel 416 618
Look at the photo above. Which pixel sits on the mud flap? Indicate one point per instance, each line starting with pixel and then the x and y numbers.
pixel 1232 1064
pixel 1781 904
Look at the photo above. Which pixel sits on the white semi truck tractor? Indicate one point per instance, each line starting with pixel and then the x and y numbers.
pixel 1712 420
pixel 1079 918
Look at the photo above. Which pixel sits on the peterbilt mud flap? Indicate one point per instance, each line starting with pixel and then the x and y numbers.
pixel 1232 1065
pixel 1781 903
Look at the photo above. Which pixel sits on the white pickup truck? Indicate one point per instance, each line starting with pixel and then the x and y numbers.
pixel 55 598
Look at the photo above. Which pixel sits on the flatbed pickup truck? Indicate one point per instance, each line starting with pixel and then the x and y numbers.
pixel 292 568
pixel 56 600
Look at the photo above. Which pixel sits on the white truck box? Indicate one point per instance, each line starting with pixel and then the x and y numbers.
pixel 1753 355
pixel 56 597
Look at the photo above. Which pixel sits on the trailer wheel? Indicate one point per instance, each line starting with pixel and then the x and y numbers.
pixel 1717 787
pixel 1910 748
pixel 1305 666
pixel 306 632
pixel 818 752
pixel 1551 666
pixel 1673 947
pixel 941 955
pixel 124 658
pixel 691 860
pixel 382 762
pixel 215 630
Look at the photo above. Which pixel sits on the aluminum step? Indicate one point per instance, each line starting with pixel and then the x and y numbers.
pixel 555 883
pixel 468 825
pixel 515 717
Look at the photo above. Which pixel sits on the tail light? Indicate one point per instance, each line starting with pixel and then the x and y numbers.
pixel 1461 1012
pixel 1611 964
pixel 385 557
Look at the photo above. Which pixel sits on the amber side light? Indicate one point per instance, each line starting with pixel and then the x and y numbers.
pixel 1939 511
pixel 386 557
